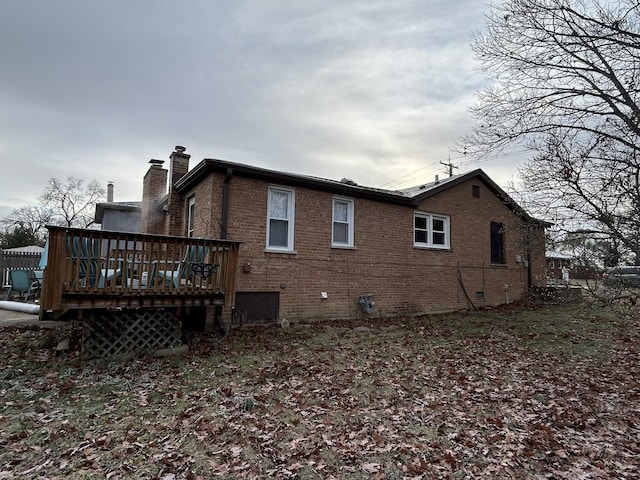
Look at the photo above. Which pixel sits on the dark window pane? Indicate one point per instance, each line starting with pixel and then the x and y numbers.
pixel 421 237
pixel 421 223
pixel 278 233
pixel 340 233
pixel 497 243
pixel 438 225
pixel 438 238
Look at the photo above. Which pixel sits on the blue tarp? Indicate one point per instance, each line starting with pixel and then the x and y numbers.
pixel 43 257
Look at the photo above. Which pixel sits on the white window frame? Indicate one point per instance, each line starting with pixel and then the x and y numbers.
pixel 191 212
pixel 349 222
pixel 429 220
pixel 291 205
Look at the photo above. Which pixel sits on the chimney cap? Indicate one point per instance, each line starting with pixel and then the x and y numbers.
pixel 156 163
pixel 180 149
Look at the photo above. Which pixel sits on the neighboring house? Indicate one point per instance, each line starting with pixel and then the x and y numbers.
pixel 118 216
pixel 556 261
pixel 314 248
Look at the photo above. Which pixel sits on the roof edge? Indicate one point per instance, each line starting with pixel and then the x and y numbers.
pixel 208 165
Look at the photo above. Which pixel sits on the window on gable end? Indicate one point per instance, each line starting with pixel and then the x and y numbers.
pixel 280 219
pixel 342 230
pixel 431 231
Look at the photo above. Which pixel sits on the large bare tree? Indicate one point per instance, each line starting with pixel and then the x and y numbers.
pixel 566 83
pixel 31 220
pixel 72 203
pixel 69 203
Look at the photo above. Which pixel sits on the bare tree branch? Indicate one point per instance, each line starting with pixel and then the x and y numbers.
pixel 72 202
pixel 567 85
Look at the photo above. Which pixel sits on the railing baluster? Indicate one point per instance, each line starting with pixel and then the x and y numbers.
pixel 99 268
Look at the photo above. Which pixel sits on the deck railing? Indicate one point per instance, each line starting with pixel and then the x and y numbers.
pixel 104 269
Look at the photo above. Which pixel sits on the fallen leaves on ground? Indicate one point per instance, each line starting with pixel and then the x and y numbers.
pixel 524 393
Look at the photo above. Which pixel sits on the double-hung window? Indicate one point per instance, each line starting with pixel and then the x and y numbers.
pixel 430 231
pixel 280 217
pixel 342 231
pixel 191 217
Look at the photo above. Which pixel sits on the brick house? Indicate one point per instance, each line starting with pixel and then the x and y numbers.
pixel 314 248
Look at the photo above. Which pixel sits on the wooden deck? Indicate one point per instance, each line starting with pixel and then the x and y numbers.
pixel 98 269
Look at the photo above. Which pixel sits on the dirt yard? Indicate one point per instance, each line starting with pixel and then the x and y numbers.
pixel 521 392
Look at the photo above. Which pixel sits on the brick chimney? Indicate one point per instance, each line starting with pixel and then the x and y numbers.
pixel 154 188
pixel 179 166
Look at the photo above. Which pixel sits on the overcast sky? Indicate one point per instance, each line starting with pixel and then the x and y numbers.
pixel 373 90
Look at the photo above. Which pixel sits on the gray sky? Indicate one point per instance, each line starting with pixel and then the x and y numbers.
pixel 373 90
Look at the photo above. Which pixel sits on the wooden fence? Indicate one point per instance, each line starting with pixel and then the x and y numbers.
pixel 17 261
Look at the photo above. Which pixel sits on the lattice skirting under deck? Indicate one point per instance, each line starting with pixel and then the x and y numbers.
pixel 129 332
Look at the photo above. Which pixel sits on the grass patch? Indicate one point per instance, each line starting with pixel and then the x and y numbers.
pixel 516 392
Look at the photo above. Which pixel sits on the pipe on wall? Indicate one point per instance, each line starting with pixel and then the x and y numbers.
pixel 225 204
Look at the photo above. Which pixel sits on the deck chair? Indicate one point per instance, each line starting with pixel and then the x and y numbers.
pixel 108 275
pixel 36 279
pixel 194 254
pixel 22 285
pixel 85 253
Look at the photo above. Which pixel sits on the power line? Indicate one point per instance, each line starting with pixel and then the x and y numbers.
pixel 450 166
pixel 416 175
pixel 405 178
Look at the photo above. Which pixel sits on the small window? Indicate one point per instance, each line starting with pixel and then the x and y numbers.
pixel 476 191
pixel 280 217
pixel 191 217
pixel 342 234
pixel 497 244
pixel 430 230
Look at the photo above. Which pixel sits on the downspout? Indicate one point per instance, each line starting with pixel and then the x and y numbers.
pixel 224 219
pixel 225 204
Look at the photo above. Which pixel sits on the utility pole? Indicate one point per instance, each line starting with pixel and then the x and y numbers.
pixel 450 166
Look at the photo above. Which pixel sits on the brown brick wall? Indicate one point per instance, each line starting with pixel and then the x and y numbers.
pixel 384 263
